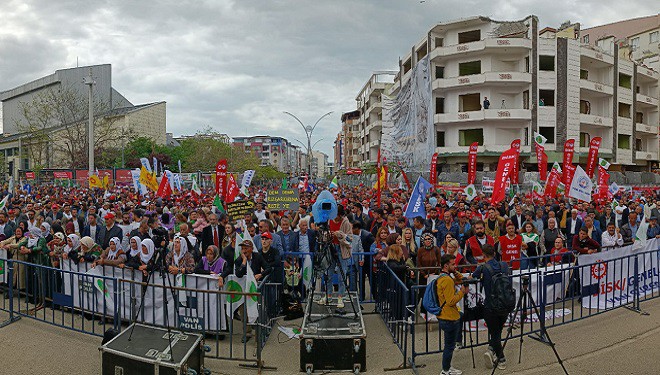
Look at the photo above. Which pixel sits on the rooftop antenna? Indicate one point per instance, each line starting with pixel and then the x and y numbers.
pixel 77 66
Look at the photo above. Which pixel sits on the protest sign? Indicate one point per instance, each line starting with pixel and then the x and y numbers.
pixel 283 199
pixel 237 209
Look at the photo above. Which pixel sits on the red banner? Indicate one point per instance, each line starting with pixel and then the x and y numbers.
pixel 472 163
pixel 351 171
pixel 232 189
pixel 164 189
pixel 594 145
pixel 221 178
pixel 569 172
pixel 63 175
pixel 552 184
pixel 433 178
pixel 123 177
pixel 569 150
pixel 82 176
pixel 378 187
pixel 504 169
pixel 29 175
pixel 516 167
pixel 603 180
pixel 542 161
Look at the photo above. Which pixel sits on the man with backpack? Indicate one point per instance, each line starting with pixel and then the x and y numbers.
pixel 500 301
pixel 441 298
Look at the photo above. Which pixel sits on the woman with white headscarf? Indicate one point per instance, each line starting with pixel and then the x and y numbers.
pixel 179 260
pixel 134 250
pixel 145 261
pixel 37 248
pixel 72 247
pixel 112 256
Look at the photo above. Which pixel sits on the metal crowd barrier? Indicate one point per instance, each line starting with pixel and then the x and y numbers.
pixel 91 301
pixel 562 293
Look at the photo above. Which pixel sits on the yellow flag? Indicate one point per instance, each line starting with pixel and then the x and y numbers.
pixel 106 182
pixel 148 179
pixel 383 179
pixel 95 181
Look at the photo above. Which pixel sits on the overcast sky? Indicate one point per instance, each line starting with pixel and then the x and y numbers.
pixel 236 65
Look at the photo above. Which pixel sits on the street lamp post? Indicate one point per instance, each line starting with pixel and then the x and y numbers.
pixel 89 81
pixel 309 130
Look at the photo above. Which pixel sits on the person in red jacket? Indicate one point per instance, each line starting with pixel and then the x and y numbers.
pixel 511 245
pixel 583 244
pixel 474 244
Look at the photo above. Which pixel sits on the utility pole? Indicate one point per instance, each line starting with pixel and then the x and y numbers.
pixel 89 81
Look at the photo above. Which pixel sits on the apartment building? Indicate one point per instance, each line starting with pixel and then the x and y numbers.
pixel 367 132
pixel 493 82
pixel 275 151
pixel 347 153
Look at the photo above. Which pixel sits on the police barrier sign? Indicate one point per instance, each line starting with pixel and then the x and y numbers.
pixel 283 199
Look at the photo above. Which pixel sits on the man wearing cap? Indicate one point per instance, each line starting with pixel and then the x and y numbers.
pixel 109 231
pixel 654 229
pixel 256 262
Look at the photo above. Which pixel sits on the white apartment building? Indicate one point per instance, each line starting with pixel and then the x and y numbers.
pixel 319 164
pixel 275 151
pixel 550 83
pixel 366 133
pixel 348 141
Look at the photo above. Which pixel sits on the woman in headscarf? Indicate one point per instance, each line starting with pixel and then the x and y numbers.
pixel 144 262
pixel 72 248
pixel 135 244
pixel 112 256
pixel 211 263
pixel 428 257
pixel 37 247
pixel 13 245
pixel 89 251
pixel 179 260
pixel 56 248
pixel 45 230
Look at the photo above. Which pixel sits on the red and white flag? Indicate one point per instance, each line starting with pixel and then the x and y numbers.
pixel 221 178
pixel 516 167
pixel 504 169
pixel 472 163
pixel 592 160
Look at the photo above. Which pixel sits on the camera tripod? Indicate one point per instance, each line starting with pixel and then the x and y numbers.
pixel 325 258
pixel 522 306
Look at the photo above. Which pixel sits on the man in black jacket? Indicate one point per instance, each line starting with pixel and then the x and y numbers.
pixel 213 233
pixel 367 239
pixel 260 270
pixel 109 231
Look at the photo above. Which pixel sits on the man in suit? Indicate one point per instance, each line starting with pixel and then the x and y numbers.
pixel 93 229
pixel 306 238
pixel 213 233
pixel 607 218
pixel 573 225
pixel 110 230
pixel 629 229
pixel 288 238
pixel 6 227
pixel 518 218
pixel 593 231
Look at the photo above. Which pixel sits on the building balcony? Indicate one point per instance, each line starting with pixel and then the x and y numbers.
pixel 596 120
pixel 601 150
pixel 647 101
pixel 376 107
pixel 648 73
pixel 646 155
pixel 645 128
pixel 600 89
pixel 596 55
pixel 486 114
pixel 505 45
pixel 494 78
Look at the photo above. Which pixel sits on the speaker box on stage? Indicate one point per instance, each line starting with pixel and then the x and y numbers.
pixel 148 352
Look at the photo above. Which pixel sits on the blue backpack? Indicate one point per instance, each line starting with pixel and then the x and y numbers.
pixel 430 299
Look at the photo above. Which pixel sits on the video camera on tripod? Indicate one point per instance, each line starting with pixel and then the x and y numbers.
pixel 324 210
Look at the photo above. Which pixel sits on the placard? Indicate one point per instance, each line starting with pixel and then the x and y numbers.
pixel 283 199
pixel 238 209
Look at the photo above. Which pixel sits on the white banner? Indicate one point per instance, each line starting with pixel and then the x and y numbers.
pixel 3 266
pixel 408 129
pixel 488 184
pixel 608 278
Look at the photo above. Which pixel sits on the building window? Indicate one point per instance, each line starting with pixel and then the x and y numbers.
pixel 469 68
pixel 548 132
pixel 634 43
pixel 440 139
pixel 585 139
pixel 625 81
pixel 624 110
pixel 469 36
pixel 439 42
pixel 585 39
pixel 469 102
pixel 526 137
pixel 584 74
pixel 547 63
pixel 468 136
pixel 639 145
pixel 439 105
pixel 546 98
pixel 623 142
pixel 439 72
pixel 654 37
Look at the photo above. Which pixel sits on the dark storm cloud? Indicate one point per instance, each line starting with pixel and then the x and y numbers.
pixel 236 65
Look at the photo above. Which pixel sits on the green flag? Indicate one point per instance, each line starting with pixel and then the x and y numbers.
pixel 218 204
pixel 285 183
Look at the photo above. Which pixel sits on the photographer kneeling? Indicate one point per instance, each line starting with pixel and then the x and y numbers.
pixel 449 318
pixel 494 317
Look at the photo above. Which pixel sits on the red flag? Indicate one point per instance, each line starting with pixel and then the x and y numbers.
pixel 593 156
pixel 472 163
pixel 542 161
pixel 221 178
pixel 232 189
pixel 603 179
pixel 378 187
pixel 504 169
pixel 164 189
pixel 516 167
pixel 569 150
pixel 569 172
pixel 405 176
pixel 434 171
pixel 552 184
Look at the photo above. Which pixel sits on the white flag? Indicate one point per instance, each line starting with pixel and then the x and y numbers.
pixel 3 203
pixel 640 236
pixel 604 163
pixel 538 138
pixel 557 167
pixel 195 187
pixel 251 304
pixel 471 192
pixel 145 164
pixel 582 186
pixel 247 178
pixel 307 271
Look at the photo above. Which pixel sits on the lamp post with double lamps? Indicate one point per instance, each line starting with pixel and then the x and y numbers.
pixel 309 130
